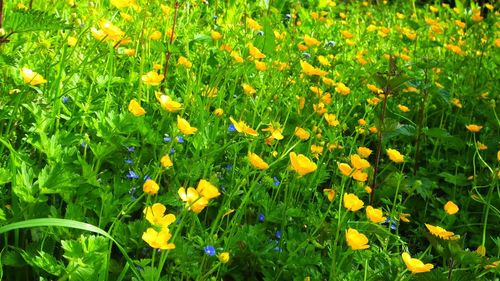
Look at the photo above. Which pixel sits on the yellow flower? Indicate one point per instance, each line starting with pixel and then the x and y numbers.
pixel 260 66
pixel 184 62
pixel 345 169
pixel 207 190
pixel 72 41
pixel 158 240
pixel 498 155
pixel 358 163
pixel 450 208
pixel 395 156
pixel 166 162
pixel 185 127
pixel 474 128
pixel 276 133
pixel 218 112
pixel 342 89
pixel 236 57
pixel 301 164
pixel 135 108
pixel 359 175
pixel 311 70
pixel 126 16
pixel 257 162
pixel 416 265
pixel 403 108
pixel 150 187
pixel 120 4
pixel 242 127
pixel 481 250
pixel 364 152
pixel 254 52
pixel 223 257
pixel 374 89
pixel 330 193
pixel 456 102
pixel 215 35
pixel 375 215
pixel 193 199
pixel 356 240
pixel 304 135
pixel 311 41
pixel 167 103
pixel 156 215
pixel 252 24
pixel 248 89
pixel 32 78
pixel 331 119
pixel 155 35
pixel 404 217
pixel 346 34
pixel 352 202
pixel 152 78
pixel 129 52
pixel 323 61
pixel 440 232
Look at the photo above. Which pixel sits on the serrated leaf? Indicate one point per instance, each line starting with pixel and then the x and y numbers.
pixel 458 179
pixel 33 20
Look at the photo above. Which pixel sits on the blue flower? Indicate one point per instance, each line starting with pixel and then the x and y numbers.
pixel 331 43
pixel 179 139
pixel 128 161
pixel 130 148
pixel 306 55
pixel 278 234
pixel 132 175
pixel 209 250
pixel 167 138
pixel 172 150
pixel 262 217
pixel 84 144
pixel 392 223
pixel 146 177
pixel 231 128
pixel 65 99
pixel 288 17
pixel 276 181
pixel 229 166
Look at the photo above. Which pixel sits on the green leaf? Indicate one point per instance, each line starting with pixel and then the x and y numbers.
pixel 44 222
pixel 33 20
pixel 5 176
pixel 44 261
pixel 458 179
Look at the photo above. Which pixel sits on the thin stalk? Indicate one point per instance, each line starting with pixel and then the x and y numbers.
pixel 421 115
pixel 1 14
pixel 169 53
pixel 379 147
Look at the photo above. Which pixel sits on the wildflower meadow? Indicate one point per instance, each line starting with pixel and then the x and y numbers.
pixel 249 140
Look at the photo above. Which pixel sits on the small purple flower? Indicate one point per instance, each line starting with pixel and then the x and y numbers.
pixel 278 234
pixel 209 250
pixel 132 175
pixel 392 223
pixel 65 99
pixel 128 161
pixel 306 55
pixel 179 139
pixel 130 149
pixel 276 181
pixel 167 138
pixel 172 150
pixel 84 144
pixel 229 166
pixel 331 43
pixel 231 128
pixel 146 177
pixel 261 217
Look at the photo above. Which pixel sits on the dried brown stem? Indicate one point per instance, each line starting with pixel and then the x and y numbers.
pixel 168 54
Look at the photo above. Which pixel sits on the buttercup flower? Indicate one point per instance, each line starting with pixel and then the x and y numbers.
pixel 356 240
pixel 224 257
pixel 364 152
pixel 184 62
pixel 167 103
pixel 32 78
pixel 352 202
pixel 215 35
pixel 156 215
pixel 440 232
pixel 152 78
pixel 301 133
pixel 135 108
pixel 158 240
pixel 257 162
pixel 358 163
pixel 342 89
pixel 330 193
pixel 375 215
pixel 193 199
pixel 311 41
pixel 345 169
pixel 242 127
pixel 474 128
pixel 301 164
pixel 395 156
pixel 248 89
pixel 451 208
pixel 252 24
pixel 150 187
pixel 255 52
pixel 207 190
pixel 166 162
pixel 185 127
pixel 416 265
pixel 311 70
